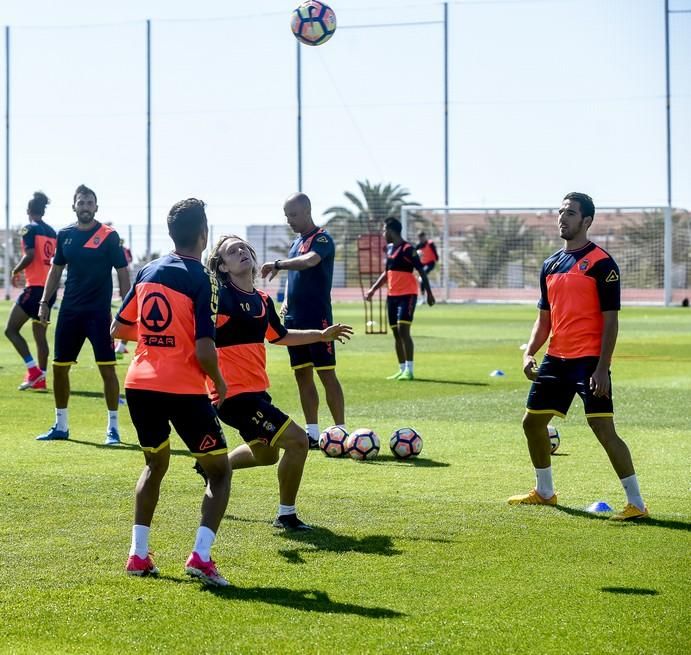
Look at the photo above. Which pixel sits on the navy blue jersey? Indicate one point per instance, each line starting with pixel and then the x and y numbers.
pixel 90 256
pixel 309 291
pixel 173 302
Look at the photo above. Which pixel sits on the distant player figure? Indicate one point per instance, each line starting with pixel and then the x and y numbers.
pixel 307 307
pixel 170 313
pixel 246 317
pixel 38 248
pixel 90 251
pixel 578 312
pixel 427 252
pixel 401 261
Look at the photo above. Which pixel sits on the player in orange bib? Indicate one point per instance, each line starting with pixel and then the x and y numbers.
pixel 579 313
pixel 170 313
pixel 246 318
pixel 401 261
pixel 38 248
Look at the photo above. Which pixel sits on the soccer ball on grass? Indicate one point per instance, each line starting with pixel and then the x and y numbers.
pixel 363 444
pixel 332 442
pixel 405 443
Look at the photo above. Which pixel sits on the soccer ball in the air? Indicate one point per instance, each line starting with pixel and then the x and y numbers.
pixel 405 443
pixel 362 444
pixel 313 22
pixel 332 441
pixel 553 438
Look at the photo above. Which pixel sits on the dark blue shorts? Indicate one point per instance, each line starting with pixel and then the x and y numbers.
pixel 401 309
pixel 74 328
pixel 192 415
pixel 29 300
pixel 321 356
pixel 254 417
pixel 559 380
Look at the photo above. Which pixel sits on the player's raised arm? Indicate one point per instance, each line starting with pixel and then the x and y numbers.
pixel 338 332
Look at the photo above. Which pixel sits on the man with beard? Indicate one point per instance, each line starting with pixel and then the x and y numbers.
pixel 579 314
pixel 90 250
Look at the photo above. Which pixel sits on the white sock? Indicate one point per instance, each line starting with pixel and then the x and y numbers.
pixel 401 365
pixel 283 510
pixel 140 541
pixel 113 420
pixel 61 418
pixel 633 493
pixel 205 539
pixel 30 363
pixel 543 482
pixel 409 366
pixel 312 430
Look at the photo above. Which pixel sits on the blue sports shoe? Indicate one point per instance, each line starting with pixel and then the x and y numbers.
pixel 54 435
pixel 112 437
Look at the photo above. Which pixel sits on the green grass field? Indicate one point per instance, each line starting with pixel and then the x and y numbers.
pixel 421 557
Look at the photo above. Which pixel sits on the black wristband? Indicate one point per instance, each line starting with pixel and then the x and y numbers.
pixel 42 302
pixel 277 264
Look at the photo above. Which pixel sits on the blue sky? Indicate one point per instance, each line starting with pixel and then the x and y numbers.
pixel 547 96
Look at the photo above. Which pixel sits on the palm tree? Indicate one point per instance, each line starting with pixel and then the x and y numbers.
pixel 378 202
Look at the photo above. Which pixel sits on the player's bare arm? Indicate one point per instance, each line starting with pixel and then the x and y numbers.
pixel 24 261
pixel 538 336
pixel 119 330
pixel 599 382
pixel 123 280
pixel 205 350
pixel 338 332
pixel 52 284
pixel 301 263
pixel 379 281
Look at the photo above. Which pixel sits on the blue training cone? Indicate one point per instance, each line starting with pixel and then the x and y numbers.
pixel 497 373
pixel 598 506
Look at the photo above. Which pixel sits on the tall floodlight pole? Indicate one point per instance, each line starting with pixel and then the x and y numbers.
pixel 668 208
pixel 299 118
pixel 445 251
pixel 8 236
pixel 668 115
pixel 148 139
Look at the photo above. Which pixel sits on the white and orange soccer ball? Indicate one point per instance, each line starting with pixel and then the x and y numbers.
pixel 313 22
pixel 405 443
pixel 332 442
pixel 363 444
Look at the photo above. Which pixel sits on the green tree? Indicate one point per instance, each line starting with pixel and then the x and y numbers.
pixel 378 202
pixel 365 216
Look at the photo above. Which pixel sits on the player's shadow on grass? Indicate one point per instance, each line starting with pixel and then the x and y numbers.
pixel 307 600
pixel 630 591
pixel 459 382
pixel 324 540
pixel 87 394
pixel 651 522
pixel 132 446
pixel 417 462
